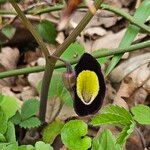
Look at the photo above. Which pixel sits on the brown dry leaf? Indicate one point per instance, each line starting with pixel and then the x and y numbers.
pixel 31 56
pixel 66 112
pixel 7 91
pixel 128 66
pixel 35 78
pixel 130 88
pixel 9 57
pixel 111 40
pixel 94 31
pixel 53 108
pixel 27 93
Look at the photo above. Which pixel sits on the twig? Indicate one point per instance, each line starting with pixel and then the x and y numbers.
pixel 141 138
pixel 49 62
pixel 101 53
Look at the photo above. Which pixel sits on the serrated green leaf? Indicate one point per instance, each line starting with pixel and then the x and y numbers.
pixel 30 123
pixel 2 138
pixel 112 114
pixel 115 109
pixel 74 137
pixel 108 119
pixel 16 119
pixel 9 105
pixel 29 108
pixel 3 121
pixel 9 31
pixel 10 133
pixel 47 31
pixel 51 131
pixel 141 14
pixel 125 133
pixel 106 141
pixel 141 114
pixel 26 147
pixel 42 146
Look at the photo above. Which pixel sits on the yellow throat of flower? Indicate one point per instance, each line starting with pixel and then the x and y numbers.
pixel 87 86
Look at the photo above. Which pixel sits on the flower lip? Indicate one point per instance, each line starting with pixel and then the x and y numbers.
pixel 88 62
pixel 87 86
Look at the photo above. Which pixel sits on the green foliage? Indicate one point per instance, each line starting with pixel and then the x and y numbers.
pixel 141 114
pixel 141 14
pixel 106 141
pixel 74 137
pixel 10 133
pixel 9 105
pixel 101 60
pixel 113 114
pixel 26 147
pixel 27 118
pixel 52 130
pixel 47 31
pixel 125 133
pixel 30 108
pixel 74 51
pixel 42 146
pixel 57 89
pixel 3 121
pixel 9 31
pixel 31 122
pixel 3 1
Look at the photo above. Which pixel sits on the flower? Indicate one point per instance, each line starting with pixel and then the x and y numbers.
pixel 89 89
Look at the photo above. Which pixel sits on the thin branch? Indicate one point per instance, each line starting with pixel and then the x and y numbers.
pixel 126 16
pixel 30 27
pixel 49 62
pixel 100 53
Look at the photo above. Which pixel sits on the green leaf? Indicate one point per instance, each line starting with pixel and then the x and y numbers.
pixel 2 138
pixel 30 123
pixel 106 141
pixel 141 114
pixel 9 105
pixel 126 132
pixel 30 108
pixel 9 31
pixel 26 147
pixel 10 133
pixel 57 89
pixel 16 119
pixel 101 60
pixel 74 137
pixel 3 1
pixel 42 146
pixel 51 131
pixel 112 114
pixel 141 14
pixel 10 146
pixel 74 51
pixel 47 31
pixel 3 121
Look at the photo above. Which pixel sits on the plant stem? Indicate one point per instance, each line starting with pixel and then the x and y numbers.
pixel 30 27
pixel 49 61
pixel 99 53
pixel 126 16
